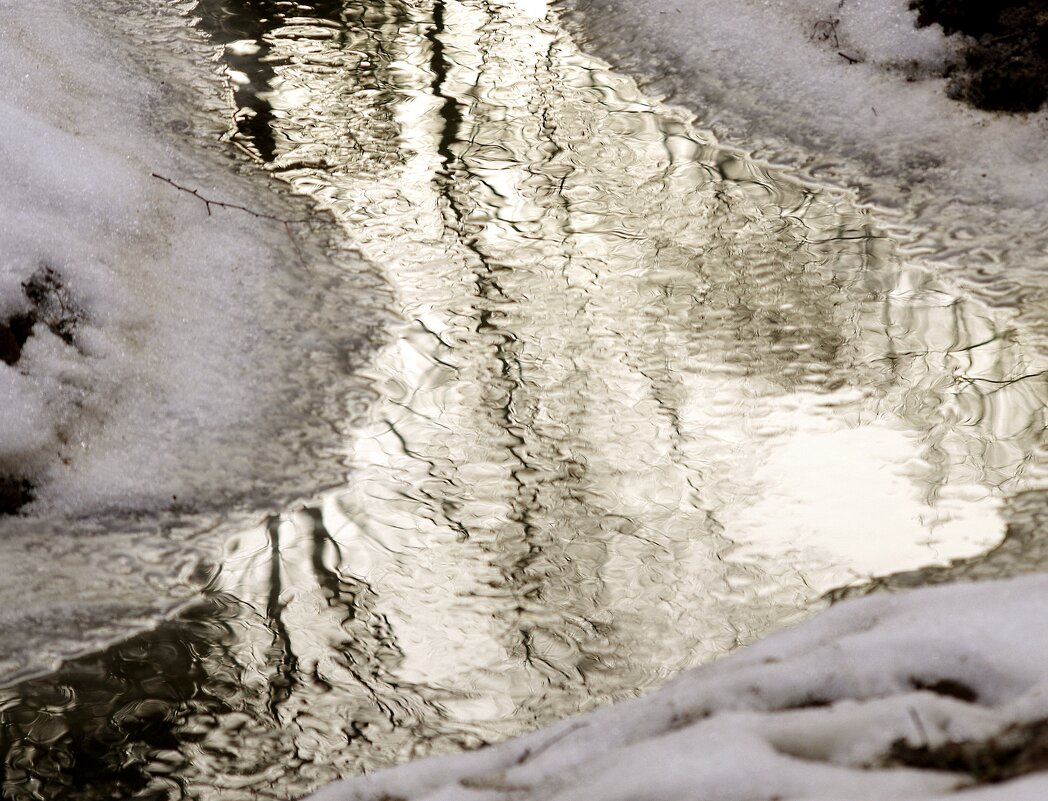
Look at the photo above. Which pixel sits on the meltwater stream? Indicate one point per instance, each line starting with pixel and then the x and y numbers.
pixel 649 401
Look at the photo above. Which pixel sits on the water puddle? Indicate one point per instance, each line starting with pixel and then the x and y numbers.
pixel 649 402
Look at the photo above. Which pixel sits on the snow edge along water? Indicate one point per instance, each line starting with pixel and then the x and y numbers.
pixel 183 332
pixel 936 693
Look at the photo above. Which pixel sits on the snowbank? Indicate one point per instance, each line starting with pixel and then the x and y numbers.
pixel 853 94
pixel 165 364
pixel 930 694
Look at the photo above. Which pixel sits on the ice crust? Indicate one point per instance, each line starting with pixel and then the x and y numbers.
pixel 819 712
pixel 188 366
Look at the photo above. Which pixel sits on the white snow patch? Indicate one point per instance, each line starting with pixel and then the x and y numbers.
pixel 183 364
pixel 813 713
pixel 880 32
pixel 852 94
pixel 184 325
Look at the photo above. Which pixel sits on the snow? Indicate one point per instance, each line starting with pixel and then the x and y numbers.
pixel 769 75
pixel 165 335
pixel 824 711
pixel 161 393
pixel 166 301
pixel 879 32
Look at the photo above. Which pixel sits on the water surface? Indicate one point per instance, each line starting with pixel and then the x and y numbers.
pixel 649 401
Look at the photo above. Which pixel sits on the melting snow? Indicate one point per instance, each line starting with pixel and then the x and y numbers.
pixel 852 94
pixel 857 703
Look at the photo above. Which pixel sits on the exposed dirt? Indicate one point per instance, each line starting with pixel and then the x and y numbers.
pixel 1006 63
pixel 48 303
pixel 950 688
pixel 14 333
pixel 15 493
pixel 1016 752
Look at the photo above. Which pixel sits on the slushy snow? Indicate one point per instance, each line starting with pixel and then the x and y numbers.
pixel 180 318
pixel 852 94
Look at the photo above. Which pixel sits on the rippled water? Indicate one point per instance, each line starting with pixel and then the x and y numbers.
pixel 649 401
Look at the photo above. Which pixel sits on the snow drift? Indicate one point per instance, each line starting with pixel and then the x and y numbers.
pixel 938 693
pixel 165 363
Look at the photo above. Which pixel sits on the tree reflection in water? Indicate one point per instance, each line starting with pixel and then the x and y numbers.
pixel 191 708
pixel 633 364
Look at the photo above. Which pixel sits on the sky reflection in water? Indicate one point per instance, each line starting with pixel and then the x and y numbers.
pixel 649 401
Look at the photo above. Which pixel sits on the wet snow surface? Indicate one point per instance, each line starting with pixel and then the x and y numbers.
pixel 779 79
pixel 643 400
pixel 152 374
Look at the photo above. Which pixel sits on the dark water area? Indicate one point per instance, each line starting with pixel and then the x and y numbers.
pixel 205 704
pixel 241 26
pixel 648 402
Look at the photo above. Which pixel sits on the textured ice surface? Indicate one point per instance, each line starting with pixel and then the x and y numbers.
pixel 167 364
pixel 848 705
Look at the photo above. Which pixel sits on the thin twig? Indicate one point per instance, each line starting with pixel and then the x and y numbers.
pixel 1004 383
pixel 208 203
pixel 920 727
pixel 294 240
pixel 531 753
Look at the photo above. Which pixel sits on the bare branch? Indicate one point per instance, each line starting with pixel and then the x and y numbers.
pixel 208 203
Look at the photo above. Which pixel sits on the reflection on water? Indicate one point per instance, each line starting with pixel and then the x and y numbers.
pixel 650 400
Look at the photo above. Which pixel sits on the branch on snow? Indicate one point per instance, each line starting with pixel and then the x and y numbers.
pixel 208 202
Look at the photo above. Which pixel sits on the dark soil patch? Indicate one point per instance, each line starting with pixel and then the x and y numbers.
pixel 16 492
pixel 52 304
pixel 1006 67
pixel 13 335
pixel 806 702
pixel 951 688
pixel 1016 752
pixel 49 304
